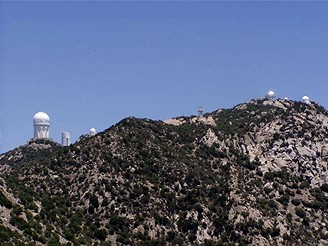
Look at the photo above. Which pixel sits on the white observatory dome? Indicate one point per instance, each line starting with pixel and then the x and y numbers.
pixel 271 95
pixel 41 118
pixel 306 99
pixel 41 123
pixel 93 131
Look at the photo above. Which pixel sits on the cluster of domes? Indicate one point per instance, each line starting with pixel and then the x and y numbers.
pixel 41 123
pixel 271 95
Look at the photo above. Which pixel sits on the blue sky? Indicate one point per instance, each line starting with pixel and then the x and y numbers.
pixel 91 64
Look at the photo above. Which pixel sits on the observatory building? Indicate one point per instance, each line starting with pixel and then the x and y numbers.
pixel 66 139
pixel 306 99
pixel 271 96
pixel 92 132
pixel 41 123
pixel 200 111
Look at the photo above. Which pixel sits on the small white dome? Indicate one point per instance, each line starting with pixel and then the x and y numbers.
pixel 93 131
pixel 41 118
pixel 305 99
pixel 271 93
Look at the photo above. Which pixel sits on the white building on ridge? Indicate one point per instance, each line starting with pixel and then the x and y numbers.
pixel 93 132
pixel 66 139
pixel 41 123
pixel 271 96
pixel 306 99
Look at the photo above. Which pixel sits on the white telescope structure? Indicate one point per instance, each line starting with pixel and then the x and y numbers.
pixel 92 132
pixel 66 139
pixel 41 123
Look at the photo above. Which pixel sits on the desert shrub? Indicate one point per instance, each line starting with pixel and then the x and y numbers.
pixel 94 201
pixel 187 225
pixel 324 187
pixel 284 199
pixel 101 234
pixel 300 212
pixel 296 202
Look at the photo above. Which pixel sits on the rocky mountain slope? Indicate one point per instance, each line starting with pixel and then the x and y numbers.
pixel 254 174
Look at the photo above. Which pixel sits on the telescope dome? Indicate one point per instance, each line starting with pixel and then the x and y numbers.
pixel 41 118
pixel 306 99
pixel 93 131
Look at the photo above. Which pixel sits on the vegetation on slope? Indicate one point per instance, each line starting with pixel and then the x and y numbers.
pixel 144 182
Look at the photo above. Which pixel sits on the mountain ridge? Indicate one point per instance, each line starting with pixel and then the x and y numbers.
pixel 253 174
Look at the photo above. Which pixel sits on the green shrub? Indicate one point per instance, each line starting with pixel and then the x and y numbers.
pixel 101 234
pixel 296 201
pixel 300 213
pixel 324 187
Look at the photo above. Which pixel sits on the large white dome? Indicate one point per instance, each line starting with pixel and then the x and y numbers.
pixel 41 118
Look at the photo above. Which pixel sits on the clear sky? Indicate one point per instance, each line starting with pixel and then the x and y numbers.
pixel 91 64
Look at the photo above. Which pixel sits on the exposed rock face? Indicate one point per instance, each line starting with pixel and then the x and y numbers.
pixel 255 174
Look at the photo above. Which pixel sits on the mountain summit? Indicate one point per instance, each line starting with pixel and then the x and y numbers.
pixel 253 174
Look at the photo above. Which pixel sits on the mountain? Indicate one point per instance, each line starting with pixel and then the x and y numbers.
pixel 253 174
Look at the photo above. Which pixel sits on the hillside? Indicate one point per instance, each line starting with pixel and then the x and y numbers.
pixel 254 174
